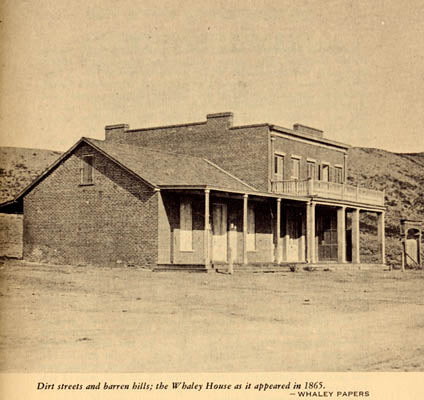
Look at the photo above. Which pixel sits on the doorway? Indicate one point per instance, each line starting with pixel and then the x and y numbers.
pixel 219 232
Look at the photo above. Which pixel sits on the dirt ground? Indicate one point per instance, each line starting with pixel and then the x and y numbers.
pixel 91 319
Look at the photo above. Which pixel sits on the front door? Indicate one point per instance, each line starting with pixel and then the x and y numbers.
pixel 219 232
pixel 293 239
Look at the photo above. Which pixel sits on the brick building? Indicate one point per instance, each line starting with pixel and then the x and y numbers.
pixel 199 194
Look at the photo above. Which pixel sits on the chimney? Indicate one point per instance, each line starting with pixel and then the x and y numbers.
pixel 223 120
pixel 113 132
pixel 308 130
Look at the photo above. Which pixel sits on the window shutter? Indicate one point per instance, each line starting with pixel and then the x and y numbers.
pixel 87 169
pixel 186 226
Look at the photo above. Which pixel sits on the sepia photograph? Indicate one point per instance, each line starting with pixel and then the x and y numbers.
pixel 216 187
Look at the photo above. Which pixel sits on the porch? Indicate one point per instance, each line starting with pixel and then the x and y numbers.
pixel 214 228
pixel 328 190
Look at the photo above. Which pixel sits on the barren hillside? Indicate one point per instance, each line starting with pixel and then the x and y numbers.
pixel 402 178
pixel 19 166
pixel 400 175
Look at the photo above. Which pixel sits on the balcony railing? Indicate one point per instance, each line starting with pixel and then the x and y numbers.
pixel 329 190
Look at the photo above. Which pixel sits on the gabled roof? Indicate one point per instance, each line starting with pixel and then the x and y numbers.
pixel 157 169
pixel 169 169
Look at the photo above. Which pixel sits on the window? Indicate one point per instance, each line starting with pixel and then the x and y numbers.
pixel 251 229
pixel 87 170
pixel 186 226
pixel 325 172
pixel 278 167
pixel 338 174
pixel 295 168
pixel 311 169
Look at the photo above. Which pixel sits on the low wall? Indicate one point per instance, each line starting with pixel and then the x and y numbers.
pixel 11 230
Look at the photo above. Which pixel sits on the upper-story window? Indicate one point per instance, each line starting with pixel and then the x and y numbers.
pixel 311 169
pixel 87 169
pixel 338 174
pixel 325 173
pixel 278 167
pixel 295 168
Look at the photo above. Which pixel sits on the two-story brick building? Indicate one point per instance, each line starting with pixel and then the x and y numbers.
pixel 199 194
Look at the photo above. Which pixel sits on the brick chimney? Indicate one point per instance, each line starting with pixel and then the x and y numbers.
pixel 113 132
pixel 223 120
pixel 308 130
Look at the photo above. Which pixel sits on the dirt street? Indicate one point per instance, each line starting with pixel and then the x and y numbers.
pixel 91 319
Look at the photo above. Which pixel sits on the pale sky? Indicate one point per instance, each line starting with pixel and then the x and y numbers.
pixel 354 69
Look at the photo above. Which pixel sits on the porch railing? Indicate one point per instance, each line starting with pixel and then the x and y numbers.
pixel 330 190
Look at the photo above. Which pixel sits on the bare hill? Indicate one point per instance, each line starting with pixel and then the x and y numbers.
pixel 402 178
pixel 19 166
pixel 400 175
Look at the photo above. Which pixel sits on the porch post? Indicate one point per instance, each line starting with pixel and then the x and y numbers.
pixel 356 259
pixel 381 236
pixel 278 233
pixel 245 196
pixel 310 233
pixel 341 234
pixel 206 231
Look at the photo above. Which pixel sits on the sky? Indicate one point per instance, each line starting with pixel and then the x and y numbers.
pixel 354 69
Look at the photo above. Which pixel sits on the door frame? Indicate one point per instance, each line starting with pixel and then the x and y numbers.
pixel 224 239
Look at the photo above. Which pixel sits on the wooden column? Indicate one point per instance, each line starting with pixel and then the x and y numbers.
pixel 381 236
pixel 278 233
pixel 245 196
pixel 356 259
pixel 310 233
pixel 206 231
pixel 341 234
pixel 419 247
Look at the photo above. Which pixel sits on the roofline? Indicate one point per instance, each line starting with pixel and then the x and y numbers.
pixel 229 174
pixel 309 137
pixel 88 141
pixel 47 170
pixel 8 202
pixel 259 125
pixel 40 177
pixel 351 204
pixel 221 189
pixel 166 126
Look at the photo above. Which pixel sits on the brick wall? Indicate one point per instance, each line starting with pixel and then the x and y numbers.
pixel 317 152
pixel 115 219
pixel 240 151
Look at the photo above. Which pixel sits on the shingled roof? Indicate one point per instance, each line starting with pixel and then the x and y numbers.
pixel 169 169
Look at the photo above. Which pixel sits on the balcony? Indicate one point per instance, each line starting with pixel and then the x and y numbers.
pixel 329 190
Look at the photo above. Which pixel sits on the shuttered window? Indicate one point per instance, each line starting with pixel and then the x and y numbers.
pixel 325 172
pixel 278 167
pixel 338 174
pixel 186 225
pixel 311 170
pixel 87 169
pixel 295 168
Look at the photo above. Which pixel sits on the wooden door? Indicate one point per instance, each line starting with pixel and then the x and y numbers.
pixel 294 232
pixel 219 232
